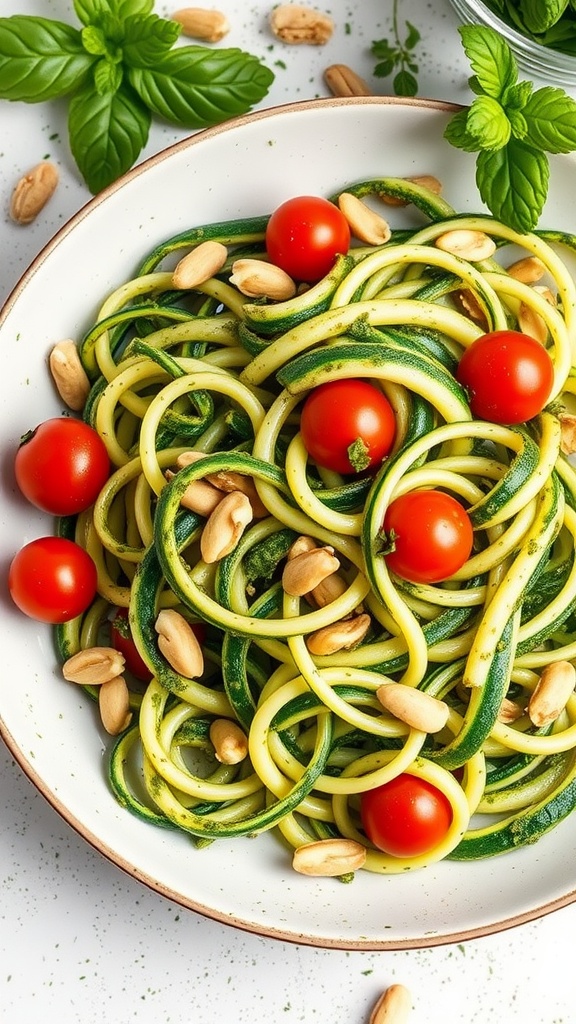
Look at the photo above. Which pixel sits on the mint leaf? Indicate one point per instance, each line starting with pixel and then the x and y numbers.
pixel 518 124
pixel 551 119
pixel 516 96
pixel 405 83
pixel 491 59
pixel 196 87
pixel 107 133
pixel 40 59
pixel 539 16
pixel 513 182
pixel 487 123
pixel 148 38
pixel 457 134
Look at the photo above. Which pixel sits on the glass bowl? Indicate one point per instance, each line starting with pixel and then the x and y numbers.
pixel 540 61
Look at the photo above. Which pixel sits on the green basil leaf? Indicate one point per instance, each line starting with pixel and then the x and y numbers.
pixel 487 123
pixel 539 16
pixel 513 182
pixel 457 134
pixel 94 41
pixel 107 134
pixel 491 59
pixel 195 86
pixel 405 84
pixel 40 59
pixel 90 11
pixel 551 119
pixel 108 76
pixel 148 38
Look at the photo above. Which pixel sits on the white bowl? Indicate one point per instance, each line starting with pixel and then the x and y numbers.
pixel 244 168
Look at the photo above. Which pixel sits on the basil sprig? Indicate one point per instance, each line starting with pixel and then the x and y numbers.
pixel 512 128
pixel 119 69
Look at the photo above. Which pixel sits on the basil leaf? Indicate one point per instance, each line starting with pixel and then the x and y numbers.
pixel 107 133
pixel 94 41
pixel 539 16
pixel 40 59
pixel 89 11
pixel 195 87
pixel 551 119
pixel 487 123
pixel 148 38
pixel 491 59
pixel 457 134
pixel 513 182
pixel 107 76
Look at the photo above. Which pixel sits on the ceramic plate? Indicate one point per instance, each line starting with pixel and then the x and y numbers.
pixel 241 169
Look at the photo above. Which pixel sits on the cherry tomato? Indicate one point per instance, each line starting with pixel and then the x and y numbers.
pixel 304 235
pixel 431 535
pixel 508 375
pixel 52 579
pixel 62 465
pixel 121 639
pixel 405 817
pixel 347 426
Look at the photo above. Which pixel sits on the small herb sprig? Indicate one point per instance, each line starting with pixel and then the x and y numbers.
pixel 398 54
pixel 118 70
pixel 512 128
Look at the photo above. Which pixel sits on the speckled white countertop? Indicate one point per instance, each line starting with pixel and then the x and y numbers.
pixel 80 941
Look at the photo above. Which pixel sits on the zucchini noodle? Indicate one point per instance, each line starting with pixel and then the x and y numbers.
pixel 210 372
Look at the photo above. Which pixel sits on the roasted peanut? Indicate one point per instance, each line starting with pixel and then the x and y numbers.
pixel 418 709
pixel 552 692
pixel 528 270
pixel 225 526
pixel 32 192
pixel 343 81
pixel 199 265
pixel 295 23
pixel 305 571
pixel 201 23
pixel 366 225
pixel 339 636
pixel 393 1007
pixel 329 858
pixel 93 666
pixel 258 279
pixel 179 644
pixel 567 432
pixel 69 375
pixel 467 244
pixel 229 741
pixel 114 705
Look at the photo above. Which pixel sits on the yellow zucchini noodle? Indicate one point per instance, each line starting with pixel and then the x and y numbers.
pixel 212 372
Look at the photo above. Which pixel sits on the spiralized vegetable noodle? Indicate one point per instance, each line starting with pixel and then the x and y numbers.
pixel 211 372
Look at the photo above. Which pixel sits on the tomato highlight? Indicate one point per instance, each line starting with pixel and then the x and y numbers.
pixel 347 426
pixel 406 817
pixel 304 236
pixel 61 466
pixel 429 534
pixel 508 375
pixel 52 579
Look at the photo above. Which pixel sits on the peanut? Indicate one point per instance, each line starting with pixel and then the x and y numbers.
pixel 69 375
pixel 393 1007
pixel 339 636
pixel 327 590
pixel 467 244
pixel 93 666
pixel 329 858
pixel 199 496
pixel 200 23
pixel 32 192
pixel 528 270
pixel 509 711
pixel 228 480
pixel 424 180
pixel 567 433
pixel 258 279
pixel 366 225
pixel 229 741
pixel 296 24
pixel 199 265
pixel 114 705
pixel 308 569
pixel 418 709
pixel 343 81
pixel 530 322
pixel 552 692
pixel 178 643
pixel 300 545
pixel 225 526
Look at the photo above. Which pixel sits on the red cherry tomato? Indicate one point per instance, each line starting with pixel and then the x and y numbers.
pixel 508 375
pixel 304 235
pixel 52 579
pixel 431 535
pixel 122 640
pixel 405 817
pixel 347 426
pixel 61 466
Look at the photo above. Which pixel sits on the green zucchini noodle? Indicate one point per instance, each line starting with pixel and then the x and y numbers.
pixel 202 388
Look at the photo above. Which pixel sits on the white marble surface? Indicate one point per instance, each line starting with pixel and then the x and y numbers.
pixel 79 940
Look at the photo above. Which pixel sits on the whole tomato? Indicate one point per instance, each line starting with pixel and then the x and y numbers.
pixel 347 426
pixel 508 376
pixel 405 817
pixel 430 536
pixel 305 235
pixel 61 466
pixel 52 579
